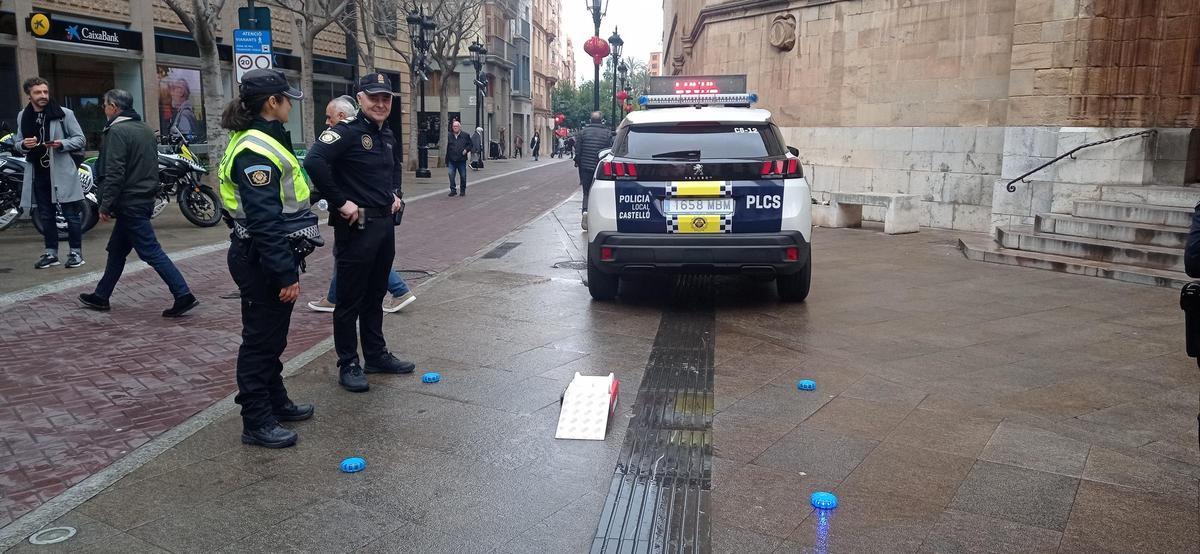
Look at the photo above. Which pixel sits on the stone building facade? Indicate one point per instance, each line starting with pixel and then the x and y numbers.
pixel 547 65
pixel 951 99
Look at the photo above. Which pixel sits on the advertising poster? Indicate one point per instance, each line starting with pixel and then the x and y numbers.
pixel 179 103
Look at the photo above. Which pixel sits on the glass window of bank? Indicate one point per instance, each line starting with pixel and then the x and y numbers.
pixel 79 83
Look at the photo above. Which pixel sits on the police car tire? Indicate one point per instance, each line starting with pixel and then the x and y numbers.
pixel 794 287
pixel 602 286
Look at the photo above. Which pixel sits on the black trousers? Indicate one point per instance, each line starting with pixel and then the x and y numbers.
pixel 364 260
pixel 265 322
pixel 585 181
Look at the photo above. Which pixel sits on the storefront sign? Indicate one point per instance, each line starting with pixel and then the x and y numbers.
pixel 251 50
pixel 43 26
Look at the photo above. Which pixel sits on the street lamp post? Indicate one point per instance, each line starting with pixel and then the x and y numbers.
pixel 617 45
pixel 418 25
pixel 622 70
pixel 478 55
pixel 598 13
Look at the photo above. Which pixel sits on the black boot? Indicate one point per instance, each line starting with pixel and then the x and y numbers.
pixel 182 305
pixel 352 379
pixel 387 363
pixel 452 192
pixel 294 412
pixel 93 301
pixel 270 435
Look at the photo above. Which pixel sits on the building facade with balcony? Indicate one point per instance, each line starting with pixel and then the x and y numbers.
pixel 546 66
pixel 568 62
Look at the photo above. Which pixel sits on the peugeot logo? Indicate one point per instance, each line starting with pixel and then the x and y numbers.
pixel 698 169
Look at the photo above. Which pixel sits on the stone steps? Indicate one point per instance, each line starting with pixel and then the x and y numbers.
pixel 1111 230
pixel 984 249
pixel 1134 213
pixel 1180 197
pixel 1115 252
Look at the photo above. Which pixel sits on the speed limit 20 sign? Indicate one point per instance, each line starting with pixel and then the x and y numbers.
pixel 251 50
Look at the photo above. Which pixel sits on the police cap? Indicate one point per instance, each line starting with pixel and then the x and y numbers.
pixel 257 82
pixel 375 83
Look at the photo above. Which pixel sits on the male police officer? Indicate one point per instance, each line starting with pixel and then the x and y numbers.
pixel 363 194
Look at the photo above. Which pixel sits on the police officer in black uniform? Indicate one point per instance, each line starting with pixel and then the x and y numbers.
pixel 355 167
pixel 266 201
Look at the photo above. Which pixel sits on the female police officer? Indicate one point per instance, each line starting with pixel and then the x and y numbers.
pixel 266 195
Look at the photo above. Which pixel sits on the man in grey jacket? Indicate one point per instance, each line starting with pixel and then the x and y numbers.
pixel 127 176
pixel 592 139
pixel 47 134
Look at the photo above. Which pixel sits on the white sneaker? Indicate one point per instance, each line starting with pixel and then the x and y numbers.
pixel 322 305
pixel 583 222
pixel 393 304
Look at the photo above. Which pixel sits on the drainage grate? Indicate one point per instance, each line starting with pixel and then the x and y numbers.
pixel 571 265
pixel 659 497
pixel 501 250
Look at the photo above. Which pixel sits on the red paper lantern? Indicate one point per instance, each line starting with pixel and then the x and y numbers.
pixel 597 48
pixel 622 95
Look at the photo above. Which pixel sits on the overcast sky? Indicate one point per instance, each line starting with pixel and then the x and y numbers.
pixel 638 21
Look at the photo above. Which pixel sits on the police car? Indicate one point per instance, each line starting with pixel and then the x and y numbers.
pixel 699 182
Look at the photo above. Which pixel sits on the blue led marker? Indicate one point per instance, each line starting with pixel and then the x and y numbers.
pixel 806 384
pixel 823 500
pixel 431 377
pixel 353 465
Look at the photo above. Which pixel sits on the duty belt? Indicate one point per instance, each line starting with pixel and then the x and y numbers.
pixel 311 232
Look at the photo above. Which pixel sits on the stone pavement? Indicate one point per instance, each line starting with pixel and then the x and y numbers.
pixel 80 389
pixel 960 407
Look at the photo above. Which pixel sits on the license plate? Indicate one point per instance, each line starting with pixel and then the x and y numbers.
pixel 708 206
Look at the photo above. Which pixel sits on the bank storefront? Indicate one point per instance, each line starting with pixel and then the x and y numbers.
pixel 83 58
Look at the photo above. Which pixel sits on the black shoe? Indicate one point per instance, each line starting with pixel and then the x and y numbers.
pixel 93 301
pixel 74 260
pixel 389 364
pixel 182 305
pixel 294 412
pixel 352 379
pixel 47 260
pixel 453 193
pixel 464 192
pixel 270 435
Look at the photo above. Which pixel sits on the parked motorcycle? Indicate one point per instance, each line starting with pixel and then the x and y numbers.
pixel 179 173
pixel 12 175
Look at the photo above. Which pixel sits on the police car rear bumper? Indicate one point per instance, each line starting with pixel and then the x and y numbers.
pixel 750 253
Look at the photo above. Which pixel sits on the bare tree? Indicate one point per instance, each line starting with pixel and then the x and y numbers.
pixel 457 20
pixel 312 17
pixel 201 17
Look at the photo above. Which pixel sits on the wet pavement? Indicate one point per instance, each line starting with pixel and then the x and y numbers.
pixel 960 407
pixel 80 389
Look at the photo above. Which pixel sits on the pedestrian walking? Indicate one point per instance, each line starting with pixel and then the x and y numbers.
pixel 266 195
pixel 500 146
pixel 535 144
pixel 458 147
pixel 571 146
pixel 477 148
pixel 339 109
pixel 364 194
pixel 50 137
pixel 593 138
pixel 518 143
pixel 127 176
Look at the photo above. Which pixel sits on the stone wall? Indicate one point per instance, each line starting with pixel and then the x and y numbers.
pixel 950 169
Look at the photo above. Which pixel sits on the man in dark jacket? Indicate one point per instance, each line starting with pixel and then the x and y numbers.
pixel 127 177
pixel 458 147
pixel 593 138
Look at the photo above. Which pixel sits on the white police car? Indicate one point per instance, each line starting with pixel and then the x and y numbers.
pixel 701 183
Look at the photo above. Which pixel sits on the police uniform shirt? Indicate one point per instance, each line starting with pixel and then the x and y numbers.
pixel 258 185
pixel 355 160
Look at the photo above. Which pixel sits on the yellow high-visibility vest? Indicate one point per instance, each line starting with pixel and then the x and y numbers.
pixel 293 182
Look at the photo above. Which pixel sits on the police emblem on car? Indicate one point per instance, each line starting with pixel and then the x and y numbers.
pixel 367 143
pixel 699 181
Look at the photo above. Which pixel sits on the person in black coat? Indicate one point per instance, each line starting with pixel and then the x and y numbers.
pixel 535 144
pixel 458 148
pixel 1191 253
pixel 593 138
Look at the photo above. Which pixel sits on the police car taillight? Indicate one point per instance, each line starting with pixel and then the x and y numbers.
pixel 787 168
pixel 618 169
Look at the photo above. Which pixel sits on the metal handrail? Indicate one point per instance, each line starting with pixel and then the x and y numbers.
pixel 1012 185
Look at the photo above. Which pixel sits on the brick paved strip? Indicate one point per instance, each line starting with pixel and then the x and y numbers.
pixel 80 389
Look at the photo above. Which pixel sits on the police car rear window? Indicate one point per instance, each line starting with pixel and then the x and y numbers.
pixel 688 141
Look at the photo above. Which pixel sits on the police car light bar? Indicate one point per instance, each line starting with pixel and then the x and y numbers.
pixel 677 100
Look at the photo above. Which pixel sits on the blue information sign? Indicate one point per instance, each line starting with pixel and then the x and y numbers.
pixel 251 50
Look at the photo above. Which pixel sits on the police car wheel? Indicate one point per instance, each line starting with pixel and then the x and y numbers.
pixel 794 287
pixel 602 286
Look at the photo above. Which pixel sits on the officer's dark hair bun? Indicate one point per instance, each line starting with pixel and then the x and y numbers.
pixel 239 112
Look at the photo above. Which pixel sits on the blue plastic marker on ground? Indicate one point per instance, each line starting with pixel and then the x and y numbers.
pixel 353 465
pixel 431 377
pixel 806 384
pixel 823 500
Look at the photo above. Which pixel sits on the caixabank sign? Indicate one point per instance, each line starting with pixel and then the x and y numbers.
pixel 42 26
